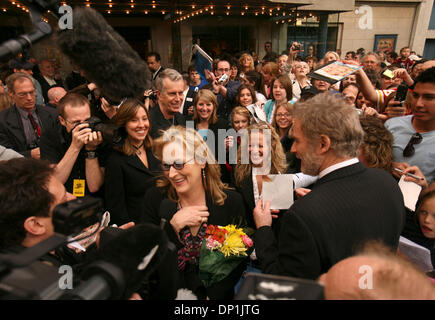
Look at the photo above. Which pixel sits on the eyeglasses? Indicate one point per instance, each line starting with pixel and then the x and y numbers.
pixel 409 149
pixel 24 94
pixel 176 164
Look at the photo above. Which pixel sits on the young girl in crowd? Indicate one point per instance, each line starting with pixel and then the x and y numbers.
pixel 254 79
pixel 281 93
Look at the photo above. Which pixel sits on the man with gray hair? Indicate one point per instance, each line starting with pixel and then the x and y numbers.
pixel 348 205
pixel 371 61
pixel 170 95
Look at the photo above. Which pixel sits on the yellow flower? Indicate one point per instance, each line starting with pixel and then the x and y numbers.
pixel 233 243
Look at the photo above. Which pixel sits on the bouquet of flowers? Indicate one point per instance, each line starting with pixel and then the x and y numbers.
pixel 223 249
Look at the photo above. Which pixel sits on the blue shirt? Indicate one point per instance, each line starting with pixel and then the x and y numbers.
pixel 424 156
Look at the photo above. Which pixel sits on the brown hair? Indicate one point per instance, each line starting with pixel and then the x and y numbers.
pixel 209 96
pixel 17 76
pixel 6 101
pixel 72 100
pixel 286 83
pixel 377 145
pixel 126 112
pixel 289 108
pixel 251 90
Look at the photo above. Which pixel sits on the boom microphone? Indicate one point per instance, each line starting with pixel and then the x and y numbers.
pixel 105 57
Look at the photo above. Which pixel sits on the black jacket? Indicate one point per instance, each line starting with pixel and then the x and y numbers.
pixel 344 209
pixel 12 134
pixel 229 213
pixel 158 121
pixel 127 180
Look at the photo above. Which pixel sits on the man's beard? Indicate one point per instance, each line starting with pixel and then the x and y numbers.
pixel 310 162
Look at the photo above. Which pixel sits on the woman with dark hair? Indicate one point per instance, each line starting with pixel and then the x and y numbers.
pixel 269 71
pixel 255 80
pixel 131 168
pixel 245 96
pixel 281 93
pixel 190 196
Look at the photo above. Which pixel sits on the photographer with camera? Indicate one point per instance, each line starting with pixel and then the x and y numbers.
pixel 29 191
pixel 76 150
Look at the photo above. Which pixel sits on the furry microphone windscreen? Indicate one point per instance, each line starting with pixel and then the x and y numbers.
pixel 105 57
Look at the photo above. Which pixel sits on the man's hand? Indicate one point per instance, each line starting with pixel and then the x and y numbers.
pixel 95 138
pixel 399 165
pixel 80 136
pixel 108 109
pixel 417 172
pixel 395 109
pixel 35 153
pixel 262 217
pixel 301 192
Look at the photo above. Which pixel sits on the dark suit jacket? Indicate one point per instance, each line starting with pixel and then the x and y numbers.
pixel 126 182
pixel 226 104
pixel 344 209
pixel 45 86
pixel 229 213
pixel 12 134
pixel 158 121
pixel 190 96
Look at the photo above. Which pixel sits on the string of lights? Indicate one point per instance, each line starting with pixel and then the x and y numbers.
pixel 184 10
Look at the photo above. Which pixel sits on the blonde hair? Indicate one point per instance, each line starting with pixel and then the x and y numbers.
pixel 208 96
pixel 241 111
pixel 193 143
pixel 126 112
pixel 278 158
pixel 251 66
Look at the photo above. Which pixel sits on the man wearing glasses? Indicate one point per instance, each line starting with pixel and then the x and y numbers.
pixel 224 89
pixel 414 135
pixel 23 124
pixel 75 149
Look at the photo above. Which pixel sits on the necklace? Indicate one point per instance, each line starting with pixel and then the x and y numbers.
pixel 137 149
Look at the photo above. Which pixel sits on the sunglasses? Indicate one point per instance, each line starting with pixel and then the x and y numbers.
pixel 178 165
pixel 409 149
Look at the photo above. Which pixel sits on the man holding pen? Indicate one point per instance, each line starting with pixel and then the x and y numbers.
pixel 414 135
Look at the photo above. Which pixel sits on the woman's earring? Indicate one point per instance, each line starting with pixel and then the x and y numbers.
pixel 203 176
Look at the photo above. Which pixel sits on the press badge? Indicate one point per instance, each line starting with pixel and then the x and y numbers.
pixel 79 187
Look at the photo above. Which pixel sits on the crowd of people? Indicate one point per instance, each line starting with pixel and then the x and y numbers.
pixel 346 144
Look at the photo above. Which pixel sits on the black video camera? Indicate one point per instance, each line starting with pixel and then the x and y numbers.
pixel 27 275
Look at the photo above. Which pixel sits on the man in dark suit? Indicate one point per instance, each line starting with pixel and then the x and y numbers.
pixel 349 204
pixel 154 64
pixel 47 77
pixel 23 124
pixel 170 94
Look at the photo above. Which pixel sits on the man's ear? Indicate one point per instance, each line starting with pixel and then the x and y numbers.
pixel 62 121
pixel 34 226
pixel 324 144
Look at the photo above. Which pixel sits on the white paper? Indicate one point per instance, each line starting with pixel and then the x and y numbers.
pixel 279 191
pixel 418 255
pixel 410 191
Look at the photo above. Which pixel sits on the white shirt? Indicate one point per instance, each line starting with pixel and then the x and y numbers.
pixel 155 73
pixel 338 166
pixel 51 82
